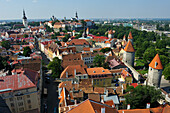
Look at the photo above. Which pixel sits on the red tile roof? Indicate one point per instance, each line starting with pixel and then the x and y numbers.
pixel 166 109
pixel 130 35
pixel 134 111
pixel 134 85
pixel 97 71
pixel 70 70
pixel 124 73
pixel 90 106
pixel 156 63
pixel 15 82
pixel 129 47
pixel 78 42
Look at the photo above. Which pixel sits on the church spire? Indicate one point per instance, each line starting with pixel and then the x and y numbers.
pixel 24 17
pixel 76 15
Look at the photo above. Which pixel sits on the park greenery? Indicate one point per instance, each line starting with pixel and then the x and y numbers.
pixel 6 44
pixel 55 66
pixel 141 95
pixel 99 60
pixel 27 51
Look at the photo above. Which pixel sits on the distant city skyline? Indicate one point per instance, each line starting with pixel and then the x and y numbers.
pixel 44 9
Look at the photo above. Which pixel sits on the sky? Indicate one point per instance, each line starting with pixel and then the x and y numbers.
pixel 44 9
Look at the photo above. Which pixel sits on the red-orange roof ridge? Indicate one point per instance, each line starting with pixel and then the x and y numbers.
pixel 129 47
pixel 130 35
pixel 156 63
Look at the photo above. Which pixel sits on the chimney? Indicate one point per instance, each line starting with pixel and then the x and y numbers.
pixel 128 106
pixel 75 72
pixel 107 92
pixel 69 97
pixel 102 101
pixel 122 88
pixel 66 74
pixel 147 105
pixel 102 110
pixel 75 102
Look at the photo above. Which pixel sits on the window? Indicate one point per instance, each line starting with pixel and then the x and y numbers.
pixel 20 103
pixel 21 109
pixel 100 79
pixel 28 96
pixel 12 104
pixel 29 101
pixel 84 76
pixel 29 106
pixel 19 98
pixel 103 83
pixel 10 99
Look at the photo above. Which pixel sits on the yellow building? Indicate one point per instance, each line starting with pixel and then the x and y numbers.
pixel 126 77
pixel 100 77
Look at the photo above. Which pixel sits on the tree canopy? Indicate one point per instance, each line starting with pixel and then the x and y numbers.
pixel 99 60
pixel 27 51
pixel 166 72
pixel 5 44
pixel 141 95
pixel 55 66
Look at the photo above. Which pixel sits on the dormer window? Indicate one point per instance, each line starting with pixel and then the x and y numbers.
pixel 103 71
pixel 94 71
pixel 156 64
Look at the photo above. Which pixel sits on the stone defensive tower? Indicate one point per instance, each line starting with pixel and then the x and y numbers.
pixel 129 54
pixel 155 72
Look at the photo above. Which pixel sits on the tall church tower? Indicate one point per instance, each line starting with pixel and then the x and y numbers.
pixel 76 15
pixel 24 19
pixel 155 72
pixel 130 38
pixel 129 54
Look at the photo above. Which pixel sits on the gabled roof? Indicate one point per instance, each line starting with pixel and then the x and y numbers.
pixel 129 47
pixel 71 69
pixel 15 82
pixel 90 106
pixel 134 111
pixel 166 109
pixel 97 71
pixel 130 35
pixel 78 42
pixel 156 63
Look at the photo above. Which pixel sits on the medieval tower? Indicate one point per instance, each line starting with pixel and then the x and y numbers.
pixel 155 72
pixel 129 54
pixel 130 38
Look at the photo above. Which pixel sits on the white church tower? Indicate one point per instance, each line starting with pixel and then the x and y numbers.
pixel 155 72
pixel 24 20
pixel 129 54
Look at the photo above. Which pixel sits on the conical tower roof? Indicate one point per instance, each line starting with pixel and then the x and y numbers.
pixel 130 35
pixel 156 63
pixel 129 47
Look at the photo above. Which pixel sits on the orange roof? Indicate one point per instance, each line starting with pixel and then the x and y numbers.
pixel 129 47
pixel 124 37
pixel 125 74
pixel 97 71
pixel 166 109
pixel 156 63
pixel 90 106
pixel 110 32
pixel 130 35
pixel 134 111
pixel 156 110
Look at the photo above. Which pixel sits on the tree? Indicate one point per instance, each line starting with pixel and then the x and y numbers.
pixel 166 72
pixel 164 60
pixel 27 51
pixel 55 66
pixel 5 44
pixel 25 36
pixel 99 60
pixel 141 95
pixel 149 54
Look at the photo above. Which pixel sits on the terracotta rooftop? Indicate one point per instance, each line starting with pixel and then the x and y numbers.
pixel 129 47
pixel 97 71
pixel 68 85
pixel 125 74
pixel 130 35
pixel 78 42
pixel 15 82
pixel 90 106
pixel 134 111
pixel 156 63
pixel 72 70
